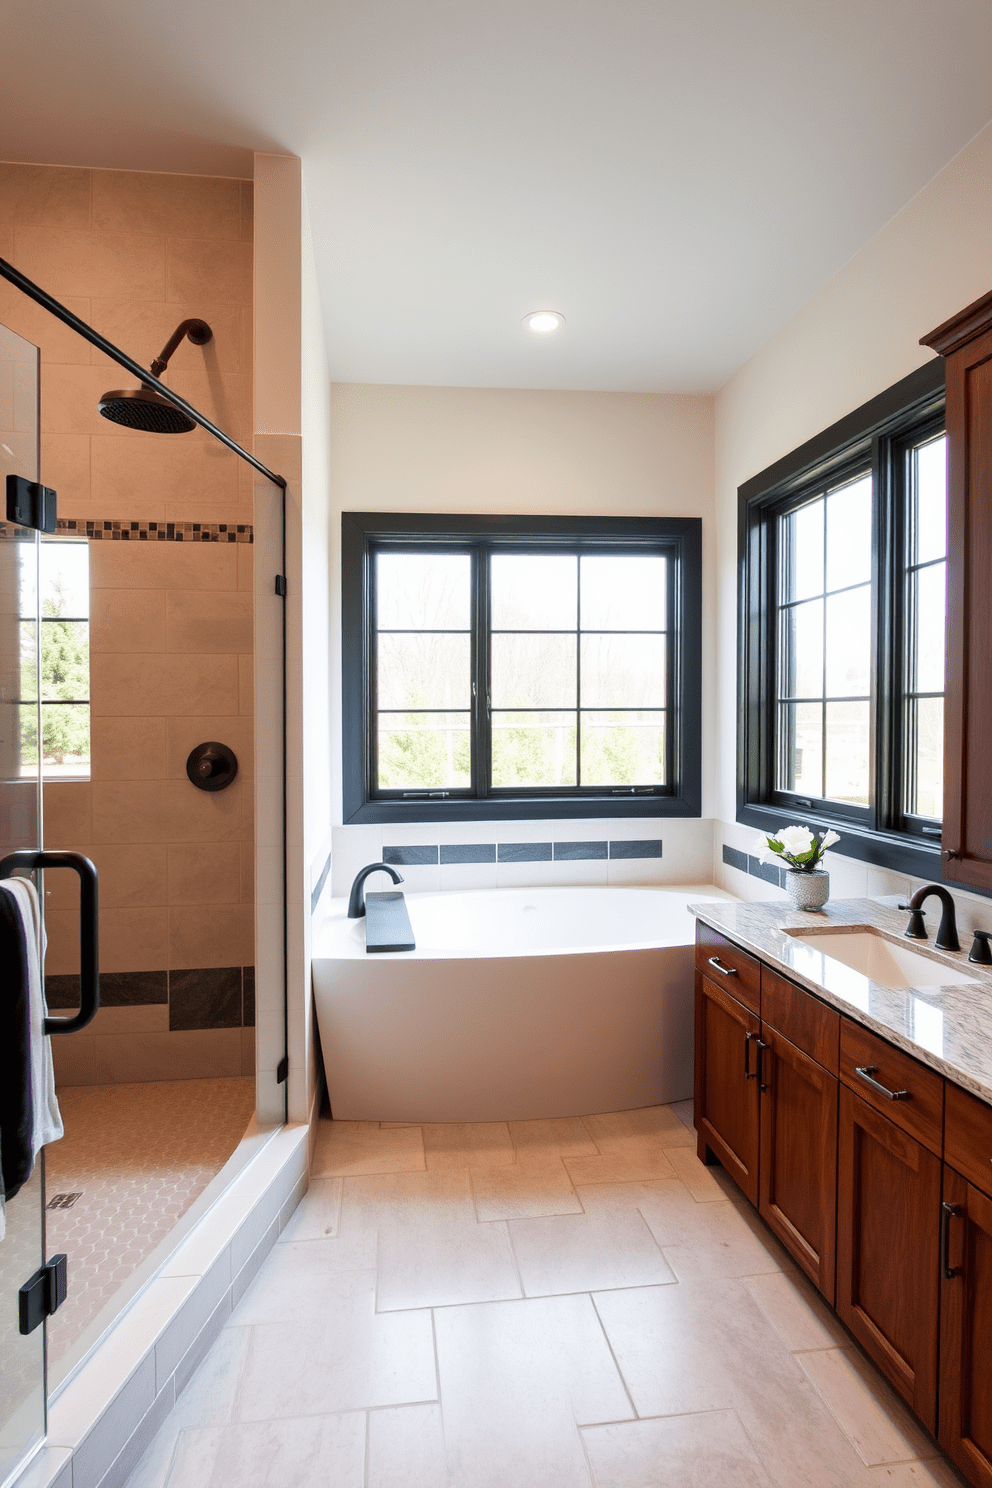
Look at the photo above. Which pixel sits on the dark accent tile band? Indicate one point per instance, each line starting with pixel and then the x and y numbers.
pixel 409 855
pixel 196 532
pixel 734 858
pixel 525 852
pixel 572 852
pixel 468 852
pixel 117 989
pixel 648 847
pixel 209 997
pixel 318 887
pixel 747 863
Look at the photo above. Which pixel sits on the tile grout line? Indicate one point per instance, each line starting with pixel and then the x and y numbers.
pixel 437 1361
pixel 616 1361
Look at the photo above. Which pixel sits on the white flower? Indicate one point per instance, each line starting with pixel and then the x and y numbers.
pixel 765 853
pixel 830 839
pixel 796 841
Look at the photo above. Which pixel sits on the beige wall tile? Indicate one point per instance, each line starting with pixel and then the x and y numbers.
pixel 226 401
pixel 144 1018
pixel 203 1054
pixel 57 342
pixel 67 813
pixel 92 263
pixel 146 202
pixel 247 1051
pixel 133 940
pixel 65 465
pixel 151 468
pixel 199 620
pixel 197 267
pixel 163 565
pixel 247 211
pixel 131 876
pixel 246 684
pixel 202 873
pixel 246 567
pixel 126 620
pixel 209 935
pixel 62 954
pixel 44 196
pixel 167 811
pixel 143 685
pixel 127 748
pixel 62 884
pixel 183 734
pixel 74 1057
pixel 248 872
pixel 69 398
pixel 142 327
pixel 188 507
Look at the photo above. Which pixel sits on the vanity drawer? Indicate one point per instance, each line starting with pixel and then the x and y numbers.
pixel 803 1019
pixel 727 965
pixel 920 1111
pixel 968 1137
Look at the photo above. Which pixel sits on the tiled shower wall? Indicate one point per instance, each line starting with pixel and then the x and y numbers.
pixel 135 253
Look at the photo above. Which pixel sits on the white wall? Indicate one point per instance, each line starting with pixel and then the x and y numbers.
pixel 507 451
pixel 852 340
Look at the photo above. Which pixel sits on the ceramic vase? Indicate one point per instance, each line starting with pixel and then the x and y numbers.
pixel 808 890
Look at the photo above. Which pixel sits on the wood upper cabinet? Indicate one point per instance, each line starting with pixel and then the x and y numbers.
pixel 726 1083
pixel 965 342
pixel 888 1208
pixel 966 1329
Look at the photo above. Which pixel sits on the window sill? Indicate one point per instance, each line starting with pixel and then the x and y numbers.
pixel 544 808
pixel 900 854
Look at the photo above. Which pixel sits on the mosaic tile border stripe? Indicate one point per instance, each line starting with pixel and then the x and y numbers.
pixel 522 852
pixel 179 532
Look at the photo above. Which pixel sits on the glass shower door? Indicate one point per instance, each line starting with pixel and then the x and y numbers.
pixel 22 1358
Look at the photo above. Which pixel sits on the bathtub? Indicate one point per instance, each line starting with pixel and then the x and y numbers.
pixel 516 1004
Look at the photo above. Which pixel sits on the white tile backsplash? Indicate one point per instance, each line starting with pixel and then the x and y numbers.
pixel 467 876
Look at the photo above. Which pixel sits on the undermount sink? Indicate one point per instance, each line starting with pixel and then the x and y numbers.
pixel 880 960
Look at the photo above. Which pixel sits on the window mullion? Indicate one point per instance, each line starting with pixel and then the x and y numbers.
pixel 482 684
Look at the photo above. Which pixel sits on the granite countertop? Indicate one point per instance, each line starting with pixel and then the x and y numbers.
pixel 948 1028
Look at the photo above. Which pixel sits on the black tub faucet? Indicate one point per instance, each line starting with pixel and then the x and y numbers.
pixel 947 931
pixel 356 904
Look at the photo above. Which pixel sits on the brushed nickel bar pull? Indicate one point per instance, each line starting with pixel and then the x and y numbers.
pixel 867 1070
pixel 714 961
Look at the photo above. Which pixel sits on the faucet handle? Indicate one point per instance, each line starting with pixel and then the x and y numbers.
pixel 916 929
pixel 980 951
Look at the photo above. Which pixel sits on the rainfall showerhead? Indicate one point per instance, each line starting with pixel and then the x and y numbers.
pixel 143 408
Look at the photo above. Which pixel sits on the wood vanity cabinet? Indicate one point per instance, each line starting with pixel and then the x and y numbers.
pixel 726 1084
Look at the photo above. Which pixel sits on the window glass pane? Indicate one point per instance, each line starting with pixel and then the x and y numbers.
pixel 847 752
pixel 624 593
pixel 802 546
pixel 29 661
pixel 801 748
pixel 927 765
pixel 423 591
pixel 802 669
pixel 623 671
pixel 930 610
pixel 537 592
pixel 65 579
pixel 849 643
pixel 533 749
pixel 533 671
pixel 65 660
pixel 430 670
pixel 849 513
pixel 424 751
pixel 931 500
pixel 66 739
pixel 623 749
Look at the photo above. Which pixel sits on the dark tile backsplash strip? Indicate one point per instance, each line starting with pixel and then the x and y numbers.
pixel 468 852
pixel 746 863
pixel 204 997
pixel 572 852
pixel 521 852
pixel 646 847
pixel 411 856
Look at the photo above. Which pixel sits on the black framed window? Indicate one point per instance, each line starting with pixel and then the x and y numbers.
pixel 842 562
pixel 501 667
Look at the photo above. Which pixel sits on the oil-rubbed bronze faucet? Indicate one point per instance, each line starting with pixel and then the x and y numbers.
pixel 947 931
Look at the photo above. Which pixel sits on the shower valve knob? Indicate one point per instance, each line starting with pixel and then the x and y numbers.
pixel 212 766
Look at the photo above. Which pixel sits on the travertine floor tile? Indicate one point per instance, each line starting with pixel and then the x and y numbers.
pixel 516 1378
pixel 406 1448
pixel 605 1247
pixel 684 1110
pixel 344 1357
pixel 621 1161
pixel 701 1240
pixel 696 1176
pixel 657 1125
pixel 710 1450
pixel 467 1144
pixel 517 1192
pixel 796 1311
pixel 273 1454
pixel 870 1414
pixel 545 1142
pixel 346 1148
pixel 318 1215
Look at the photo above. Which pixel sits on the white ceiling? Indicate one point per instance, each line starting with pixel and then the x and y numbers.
pixel 675 176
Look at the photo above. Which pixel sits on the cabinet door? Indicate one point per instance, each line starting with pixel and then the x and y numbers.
pixel 798 1172
pixel 966 1330
pixel 888 1222
pixel 726 1084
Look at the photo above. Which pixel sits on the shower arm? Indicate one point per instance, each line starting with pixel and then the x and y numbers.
pixel 150 379
pixel 198 332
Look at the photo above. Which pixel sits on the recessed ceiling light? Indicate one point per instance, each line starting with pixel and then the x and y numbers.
pixel 543 322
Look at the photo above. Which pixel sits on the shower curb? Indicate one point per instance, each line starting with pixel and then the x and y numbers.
pixel 103 1421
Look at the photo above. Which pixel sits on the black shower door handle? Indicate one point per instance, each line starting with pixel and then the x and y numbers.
pixel 89 940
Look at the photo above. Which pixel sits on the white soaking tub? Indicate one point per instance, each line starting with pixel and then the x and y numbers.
pixel 516 1004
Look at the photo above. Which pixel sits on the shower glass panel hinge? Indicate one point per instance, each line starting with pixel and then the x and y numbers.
pixel 30 504
pixel 281 585
pixel 282 1070
pixel 43 1294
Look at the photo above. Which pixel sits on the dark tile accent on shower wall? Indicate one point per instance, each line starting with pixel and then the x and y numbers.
pixel 768 871
pixel 468 852
pixel 525 852
pixel 318 887
pixel 117 989
pixel 572 852
pixel 734 858
pixel 411 856
pixel 248 996
pixel 207 997
pixel 648 847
